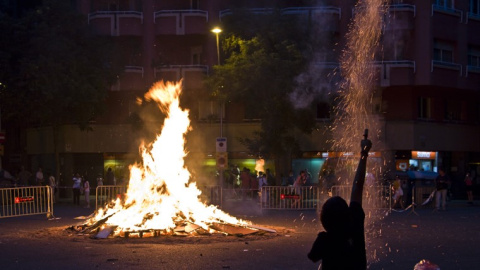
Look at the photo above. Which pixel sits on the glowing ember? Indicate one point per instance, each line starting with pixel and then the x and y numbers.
pixel 160 193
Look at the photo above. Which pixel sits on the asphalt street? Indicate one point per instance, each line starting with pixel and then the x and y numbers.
pixel 395 240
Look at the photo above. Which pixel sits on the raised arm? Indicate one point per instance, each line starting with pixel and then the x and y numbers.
pixel 357 189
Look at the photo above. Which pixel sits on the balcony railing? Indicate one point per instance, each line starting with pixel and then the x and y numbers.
pixel 446 10
pixel 397 64
pixel 107 14
pixel 134 69
pixel 472 16
pixel 447 65
pixel 307 10
pixel 288 11
pixel 471 69
pixel 256 11
pixel 188 12
pixel 180 70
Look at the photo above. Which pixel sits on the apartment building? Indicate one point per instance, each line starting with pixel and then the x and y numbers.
pixel 427 95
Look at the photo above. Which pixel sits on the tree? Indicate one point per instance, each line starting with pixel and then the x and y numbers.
pixel 56 71
pixel 260 72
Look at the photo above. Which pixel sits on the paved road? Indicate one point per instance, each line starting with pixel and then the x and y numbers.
pixel 395 241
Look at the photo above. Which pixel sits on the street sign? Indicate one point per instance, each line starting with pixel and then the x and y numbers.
pixel 222 160
pixel 221 145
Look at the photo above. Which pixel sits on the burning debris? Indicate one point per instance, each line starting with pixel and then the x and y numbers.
pixel 161 199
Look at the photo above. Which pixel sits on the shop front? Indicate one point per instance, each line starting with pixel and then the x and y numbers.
pixel 416 161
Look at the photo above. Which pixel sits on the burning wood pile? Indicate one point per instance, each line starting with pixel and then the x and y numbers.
pixel 161 198
pixel 101 230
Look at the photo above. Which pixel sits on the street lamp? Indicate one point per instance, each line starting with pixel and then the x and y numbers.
pixel 217 31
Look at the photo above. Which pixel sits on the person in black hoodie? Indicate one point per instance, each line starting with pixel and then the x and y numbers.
pixel 342 244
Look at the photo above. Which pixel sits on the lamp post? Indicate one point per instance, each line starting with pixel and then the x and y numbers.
pixel 217 31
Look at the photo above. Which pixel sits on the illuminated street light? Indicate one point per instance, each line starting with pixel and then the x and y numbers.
pixel 217 31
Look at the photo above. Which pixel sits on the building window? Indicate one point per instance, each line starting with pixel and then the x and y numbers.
pixel 443 52
pixel 424 108
pixel 447 4
pixel 474 57
pixel 475 7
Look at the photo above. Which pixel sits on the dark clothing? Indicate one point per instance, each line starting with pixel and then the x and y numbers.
pixel 441 182
pixel 76 196
pixel 110 178
pixel 343 251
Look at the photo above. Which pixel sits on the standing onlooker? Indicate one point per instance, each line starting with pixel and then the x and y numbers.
pixel 99 180
pixel 262 181
pixel 77 183
pixel 299 182
pixel 86 192
pixel 53 184
pixel 469 187
pixel 441 183
pixel 397 193
pixel 39 177
pixel 110 177
pixel 290 178
pixel 253 184
pixel 270 178
pixel 308 178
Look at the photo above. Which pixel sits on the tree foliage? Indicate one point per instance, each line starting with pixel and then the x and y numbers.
pixel 259 71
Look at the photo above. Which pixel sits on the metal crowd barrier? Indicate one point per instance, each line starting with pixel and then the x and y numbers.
pixel 277 197
pixel 270 197
pixel 281 197
pixel 107 194
pixel 423 196
pixel 211 194
pixel 25 201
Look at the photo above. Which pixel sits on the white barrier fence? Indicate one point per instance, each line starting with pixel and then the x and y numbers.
pixel 25 201
pixel 300 198
pixel 280 197
pixel 107 194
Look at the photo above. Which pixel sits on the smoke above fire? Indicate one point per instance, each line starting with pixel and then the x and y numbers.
pixel 161 194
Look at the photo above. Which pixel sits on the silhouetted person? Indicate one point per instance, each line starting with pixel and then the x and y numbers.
pixel 342 245
pixel 441 183
pixel 110 177
pixel 77 184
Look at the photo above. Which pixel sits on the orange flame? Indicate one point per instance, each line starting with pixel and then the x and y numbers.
pixel 160 193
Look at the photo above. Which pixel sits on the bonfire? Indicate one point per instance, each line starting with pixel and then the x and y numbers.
pixel 161 198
